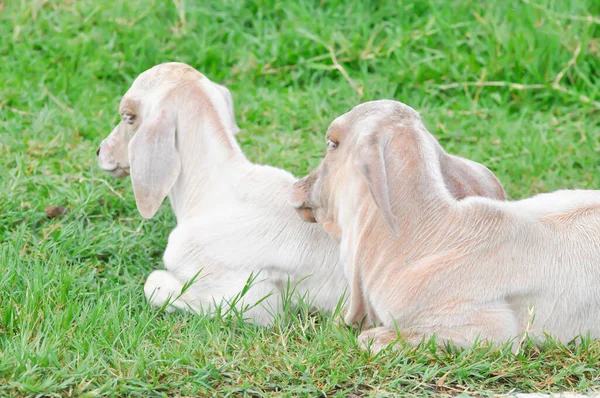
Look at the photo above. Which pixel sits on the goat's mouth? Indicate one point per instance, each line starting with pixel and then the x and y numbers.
pixel 118 172
pixel 298 200
pixel 306 213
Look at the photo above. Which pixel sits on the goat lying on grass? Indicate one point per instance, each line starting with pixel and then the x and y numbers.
pixel 176 139
pixel 420 263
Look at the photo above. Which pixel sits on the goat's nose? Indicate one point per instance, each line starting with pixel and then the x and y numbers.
pixel 98 151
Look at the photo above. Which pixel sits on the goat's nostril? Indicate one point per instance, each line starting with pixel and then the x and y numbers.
pixel 98 151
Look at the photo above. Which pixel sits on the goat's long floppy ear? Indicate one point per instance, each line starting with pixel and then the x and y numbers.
pixel 154 162
pixel 370 162
pixel 464 177
pixel 229 101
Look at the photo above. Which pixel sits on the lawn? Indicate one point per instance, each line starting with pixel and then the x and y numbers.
pixel 512 84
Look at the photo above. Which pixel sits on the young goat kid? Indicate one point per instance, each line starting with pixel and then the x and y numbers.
pixel 460 270
pixel 176 139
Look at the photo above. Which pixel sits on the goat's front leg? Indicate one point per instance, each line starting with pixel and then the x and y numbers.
pixel 460 325
pixel 162 287
pixel 260 303
pixel 376 339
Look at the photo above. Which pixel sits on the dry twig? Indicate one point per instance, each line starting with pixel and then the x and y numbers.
pixel 340 68
pixel 80 179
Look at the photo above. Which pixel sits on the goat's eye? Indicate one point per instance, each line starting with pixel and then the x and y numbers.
pixel 128 117
pixel 331 145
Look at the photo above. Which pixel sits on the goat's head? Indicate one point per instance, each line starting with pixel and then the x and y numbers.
pixel 145 142
pixel 361 144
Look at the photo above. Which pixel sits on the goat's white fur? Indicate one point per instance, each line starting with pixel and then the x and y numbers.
pixel 461 270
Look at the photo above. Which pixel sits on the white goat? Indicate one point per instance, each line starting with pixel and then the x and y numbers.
pixel 176 138
pixel 461 270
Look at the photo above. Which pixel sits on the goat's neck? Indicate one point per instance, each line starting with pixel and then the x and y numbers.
pixel 422 206
pixel 207 162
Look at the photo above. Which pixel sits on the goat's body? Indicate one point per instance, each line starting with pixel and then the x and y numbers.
pixel 245 227
pixel 494 270
pixel 558 238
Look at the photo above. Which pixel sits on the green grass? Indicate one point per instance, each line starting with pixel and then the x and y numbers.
pixel 73 320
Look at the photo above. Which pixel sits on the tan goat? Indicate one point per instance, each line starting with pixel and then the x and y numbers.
pixel 423 263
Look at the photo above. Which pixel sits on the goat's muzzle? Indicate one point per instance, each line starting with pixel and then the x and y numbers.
pixel 298 200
